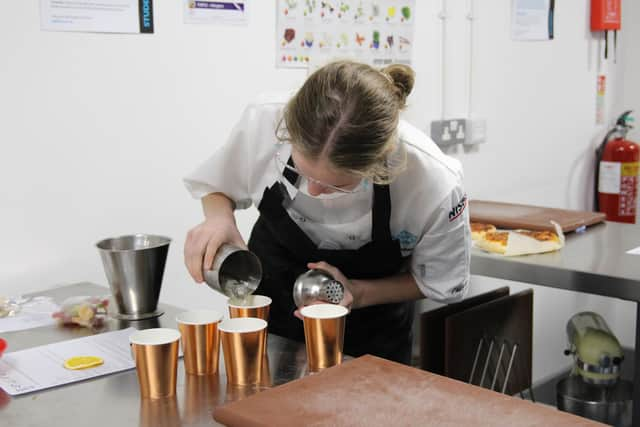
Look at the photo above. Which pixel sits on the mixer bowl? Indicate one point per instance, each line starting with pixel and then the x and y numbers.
pixel 607 404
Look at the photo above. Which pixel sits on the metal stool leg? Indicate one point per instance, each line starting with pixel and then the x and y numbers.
pixel 475 361
pixel 498 365
pixel 486 363
pixel 508 374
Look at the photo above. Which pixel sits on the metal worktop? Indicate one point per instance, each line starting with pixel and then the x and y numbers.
pixel 113 400
pixel 594 262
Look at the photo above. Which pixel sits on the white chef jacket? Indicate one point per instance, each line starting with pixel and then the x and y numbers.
pixel 429 214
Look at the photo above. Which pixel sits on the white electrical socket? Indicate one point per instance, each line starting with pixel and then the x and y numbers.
pixel 449 132
pixel 476 131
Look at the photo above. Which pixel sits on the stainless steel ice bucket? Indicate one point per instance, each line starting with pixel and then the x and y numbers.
pixel 134 266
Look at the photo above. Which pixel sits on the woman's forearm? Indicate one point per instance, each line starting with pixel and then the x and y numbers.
pixel 217 204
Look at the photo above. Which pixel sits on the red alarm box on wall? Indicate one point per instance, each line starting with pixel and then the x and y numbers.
pixel 605 15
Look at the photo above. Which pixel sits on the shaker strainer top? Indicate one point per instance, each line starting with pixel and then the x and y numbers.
pixel 333 292
pixel 317 286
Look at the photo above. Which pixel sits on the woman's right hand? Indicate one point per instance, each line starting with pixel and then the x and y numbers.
pixel 203 241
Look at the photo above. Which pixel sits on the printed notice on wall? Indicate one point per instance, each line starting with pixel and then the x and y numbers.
pixel 377 32
pixel 97 16
pixel 532 19
pixel 215 12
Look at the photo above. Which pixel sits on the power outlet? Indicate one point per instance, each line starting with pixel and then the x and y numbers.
pixel 476 131
pixel 449 132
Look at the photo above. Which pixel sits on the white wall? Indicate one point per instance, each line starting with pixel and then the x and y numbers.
pixel 97 130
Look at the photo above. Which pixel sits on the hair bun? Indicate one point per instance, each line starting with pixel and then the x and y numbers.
pixel 403 78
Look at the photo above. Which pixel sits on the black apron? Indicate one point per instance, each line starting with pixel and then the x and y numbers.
pixel 284 250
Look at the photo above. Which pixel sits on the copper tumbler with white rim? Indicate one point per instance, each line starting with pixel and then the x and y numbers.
pixel 324 334
pixel 155 352
pixel 200 340
pixel 244 342
pixel 253 306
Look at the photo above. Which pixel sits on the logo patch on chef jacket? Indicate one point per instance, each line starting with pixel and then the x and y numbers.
pixel 407 240
pixel 458 209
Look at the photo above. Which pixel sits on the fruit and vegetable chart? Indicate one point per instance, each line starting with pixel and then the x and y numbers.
pixel 375 32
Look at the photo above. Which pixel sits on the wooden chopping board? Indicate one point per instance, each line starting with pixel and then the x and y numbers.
pixel 370 391
pixel 509 215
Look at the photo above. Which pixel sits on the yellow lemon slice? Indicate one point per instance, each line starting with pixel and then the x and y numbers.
pixel 82 362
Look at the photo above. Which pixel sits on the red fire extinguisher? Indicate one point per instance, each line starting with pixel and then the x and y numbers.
pixel 616 181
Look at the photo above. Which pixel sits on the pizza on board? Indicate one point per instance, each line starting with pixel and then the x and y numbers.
pixel 479 229
pixel 535 242
pixel 494 241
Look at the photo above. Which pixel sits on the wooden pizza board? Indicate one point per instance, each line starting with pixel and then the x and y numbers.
pixel 369 391
pixel 513 216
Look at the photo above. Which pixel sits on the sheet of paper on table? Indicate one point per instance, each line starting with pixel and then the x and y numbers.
pixel 635 251
pixel 38 368
pixel 32 314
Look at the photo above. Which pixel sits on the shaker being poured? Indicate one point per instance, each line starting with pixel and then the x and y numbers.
pixel 236 272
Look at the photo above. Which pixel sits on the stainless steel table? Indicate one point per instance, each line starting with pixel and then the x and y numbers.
pixel 593 262
pixel 113 400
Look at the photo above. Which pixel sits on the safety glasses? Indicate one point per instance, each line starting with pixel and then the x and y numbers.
pixel 281 165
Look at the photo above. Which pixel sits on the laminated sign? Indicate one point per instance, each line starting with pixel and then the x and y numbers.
pixel 97 16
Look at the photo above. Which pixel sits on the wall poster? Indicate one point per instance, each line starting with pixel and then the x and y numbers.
pixel 98 16
pixel 377 32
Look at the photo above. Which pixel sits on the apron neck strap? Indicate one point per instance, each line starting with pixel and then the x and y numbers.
pixel 290 174
pixel 381 212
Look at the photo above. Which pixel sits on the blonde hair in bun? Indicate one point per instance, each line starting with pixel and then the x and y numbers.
pixel 348 113
pixel 402 77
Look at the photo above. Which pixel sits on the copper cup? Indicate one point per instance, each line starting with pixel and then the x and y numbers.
pixel 265 375
pixel 324 334
pixel 253 306
pixel 200 340
pixel 244 342
pixel 155 352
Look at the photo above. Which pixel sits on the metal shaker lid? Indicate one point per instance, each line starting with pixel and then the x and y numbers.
pixel 317 285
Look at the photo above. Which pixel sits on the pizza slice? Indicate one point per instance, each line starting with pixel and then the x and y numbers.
pixel 520 242
pixel 479 229
pixel 494 241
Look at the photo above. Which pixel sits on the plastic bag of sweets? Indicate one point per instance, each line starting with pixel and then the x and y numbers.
pixel 89 312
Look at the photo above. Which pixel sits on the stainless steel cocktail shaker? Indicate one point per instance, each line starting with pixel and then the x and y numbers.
pixel 236 272
pixel 317 286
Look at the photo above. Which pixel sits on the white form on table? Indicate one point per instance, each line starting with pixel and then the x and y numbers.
pixel 635 251
pixel 42 367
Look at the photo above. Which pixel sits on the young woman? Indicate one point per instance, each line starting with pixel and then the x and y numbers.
pixel 342 184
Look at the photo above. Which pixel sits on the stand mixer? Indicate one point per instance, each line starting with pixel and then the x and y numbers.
pixel 594 388
pixel 597 353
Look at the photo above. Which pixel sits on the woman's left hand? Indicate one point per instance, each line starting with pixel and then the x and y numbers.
pixel 348 300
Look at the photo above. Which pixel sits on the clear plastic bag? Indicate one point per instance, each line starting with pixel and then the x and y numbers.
pixel 10 307
pixel 89 312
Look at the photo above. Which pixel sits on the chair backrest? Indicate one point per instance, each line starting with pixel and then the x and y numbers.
pixel 490 344
pixel 432 325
